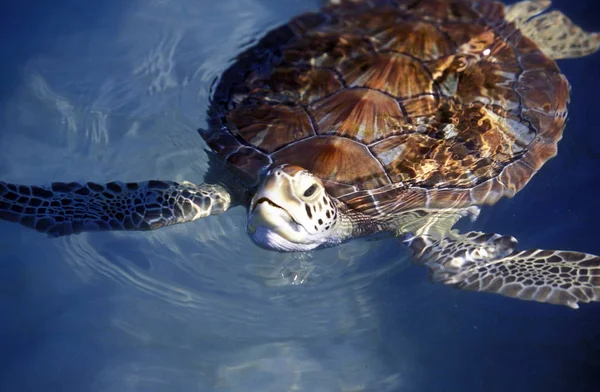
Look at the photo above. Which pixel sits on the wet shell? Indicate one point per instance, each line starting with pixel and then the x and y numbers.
pixel 394 104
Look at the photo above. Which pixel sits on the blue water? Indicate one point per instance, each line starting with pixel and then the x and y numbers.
pixel 115 90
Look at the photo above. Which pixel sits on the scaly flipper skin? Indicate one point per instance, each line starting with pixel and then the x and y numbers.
pixel 553 32
pixel 71 208
pixel 490 262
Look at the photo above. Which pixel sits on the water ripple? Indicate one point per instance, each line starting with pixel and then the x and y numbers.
pixel 196 305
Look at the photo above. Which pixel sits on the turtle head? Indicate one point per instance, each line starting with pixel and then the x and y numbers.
pixel 291 211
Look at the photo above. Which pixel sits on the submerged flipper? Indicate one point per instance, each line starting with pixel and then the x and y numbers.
pixel 553 32
pixel 71 208
pixel 490 262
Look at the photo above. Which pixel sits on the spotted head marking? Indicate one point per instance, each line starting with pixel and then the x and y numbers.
pixel 291 211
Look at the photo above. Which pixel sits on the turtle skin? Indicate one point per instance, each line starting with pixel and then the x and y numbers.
pixel 394 104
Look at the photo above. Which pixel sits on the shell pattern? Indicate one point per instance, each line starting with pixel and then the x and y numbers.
pixel 394 104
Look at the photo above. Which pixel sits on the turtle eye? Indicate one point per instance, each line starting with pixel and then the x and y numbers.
pixel 310 190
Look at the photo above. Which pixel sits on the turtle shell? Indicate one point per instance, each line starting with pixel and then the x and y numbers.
pixel 394 104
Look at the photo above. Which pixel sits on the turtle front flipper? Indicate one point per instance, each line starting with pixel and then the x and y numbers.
pixel 555 34
pixel 71 208
pixel 490 262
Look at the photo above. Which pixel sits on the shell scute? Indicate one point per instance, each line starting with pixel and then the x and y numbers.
pixel 249 162
pixel 370 22
pixel 270 126
pixel 421 107
pixel 333 159
pixel 488 192
pixel 303 85
pixel 465 36
pixel 448 198
pixel 417 39
pixel 325 49
pixel 442 10
pixel 490 11
pixel 490 83
pixel 360 114
pixel 539 152
pixel 393 73
pixel 544 91
pixel 304 23
pixel 547 126
pixel 515 176
pixel 406 157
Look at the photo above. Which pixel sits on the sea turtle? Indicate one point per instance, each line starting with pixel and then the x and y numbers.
pixel 372 116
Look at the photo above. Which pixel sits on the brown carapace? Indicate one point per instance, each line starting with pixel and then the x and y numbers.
pixel 447 99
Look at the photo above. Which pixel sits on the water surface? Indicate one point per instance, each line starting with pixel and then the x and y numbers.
pixel 116 91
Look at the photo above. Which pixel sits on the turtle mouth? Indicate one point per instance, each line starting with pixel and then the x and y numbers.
pixel 272 227
pixel 265 200
pixel 272 204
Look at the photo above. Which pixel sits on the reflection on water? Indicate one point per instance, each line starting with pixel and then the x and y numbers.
pixel 198 306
